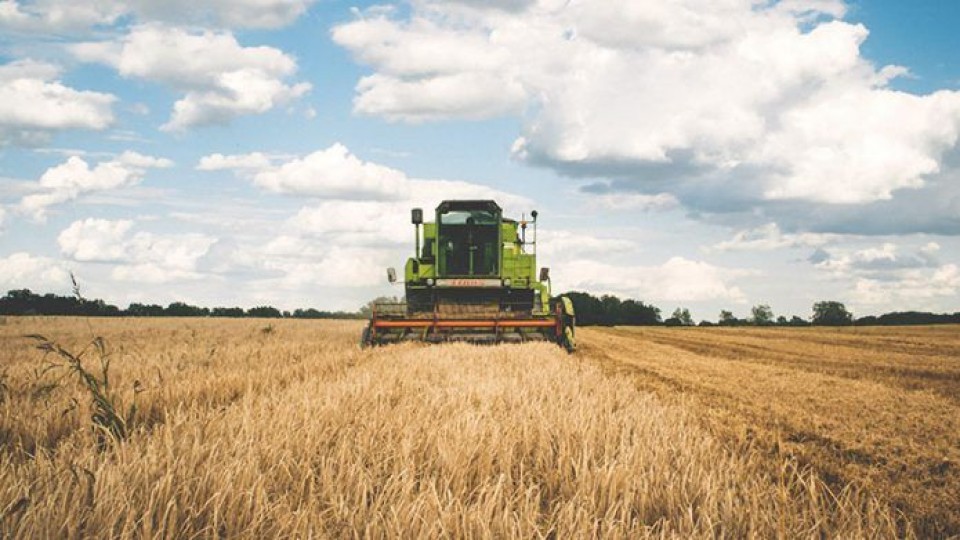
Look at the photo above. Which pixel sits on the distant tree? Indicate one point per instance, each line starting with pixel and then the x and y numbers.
pixel 609 310
pixel 680 317
pixel 589 309
pixel 911 317
pixel 98 308
pixel 727 318
pixel 144 310
pixel 309 313
pixel 797 321
pixel 781 320
pixel 182 309
pixel 227 312
pixel 831 313
pixel 635 313
pixel 267 312
pixel 761 315
pixel 706 323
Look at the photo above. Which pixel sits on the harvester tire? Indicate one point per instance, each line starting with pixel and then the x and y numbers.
pixel 365 337
pixel 569 341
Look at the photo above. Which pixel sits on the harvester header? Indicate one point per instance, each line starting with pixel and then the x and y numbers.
pixel 473 277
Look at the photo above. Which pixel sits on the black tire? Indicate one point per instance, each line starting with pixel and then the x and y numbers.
pixel 365 337
pixel 568 340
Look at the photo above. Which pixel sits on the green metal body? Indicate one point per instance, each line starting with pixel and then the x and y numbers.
pixel 471 253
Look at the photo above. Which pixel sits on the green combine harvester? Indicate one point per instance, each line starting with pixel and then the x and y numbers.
pixel 472 279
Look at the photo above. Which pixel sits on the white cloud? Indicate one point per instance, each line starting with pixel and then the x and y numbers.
pixel 336 173
pixel 75 177
pixel 364 223
pixel 34 103
pixel 333 172
pixel 218 162
pixel 140 257
pixel 221 78
pixel 95 240
pixel 229 13
pixel 70 15
pixel 141 161
pixel 757 103
pixel 464 95
pixel 565 245
pixel 339 266
pixel 58 15
pixel 915 289
pixel 677 280
pixel 635 202
pixel 769 237
pixel 22 270
pixel 884 261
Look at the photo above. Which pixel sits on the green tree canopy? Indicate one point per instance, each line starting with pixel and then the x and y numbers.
pixel 831 313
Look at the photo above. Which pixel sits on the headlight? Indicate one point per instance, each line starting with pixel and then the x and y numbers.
pixel 430 282
pixel 506 282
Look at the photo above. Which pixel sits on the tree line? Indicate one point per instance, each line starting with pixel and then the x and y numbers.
pixel 605 310
pixel 26 302
pixel 609 310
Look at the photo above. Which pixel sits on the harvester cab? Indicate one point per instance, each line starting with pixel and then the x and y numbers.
pixel 473 277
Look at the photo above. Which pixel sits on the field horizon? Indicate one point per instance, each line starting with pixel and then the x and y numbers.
pixel 262 427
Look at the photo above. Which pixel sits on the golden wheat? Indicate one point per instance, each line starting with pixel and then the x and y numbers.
pixel 285 428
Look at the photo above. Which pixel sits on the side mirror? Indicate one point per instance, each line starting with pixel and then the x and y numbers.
pixel 416 216
pixel 544 274
pixel 391 275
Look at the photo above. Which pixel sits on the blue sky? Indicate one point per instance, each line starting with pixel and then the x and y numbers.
pixel 710 155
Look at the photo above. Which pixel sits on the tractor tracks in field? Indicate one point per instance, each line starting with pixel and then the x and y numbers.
pixel 898 441
pixel 917 367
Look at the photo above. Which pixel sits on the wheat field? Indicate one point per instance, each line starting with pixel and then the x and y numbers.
pixel 285 428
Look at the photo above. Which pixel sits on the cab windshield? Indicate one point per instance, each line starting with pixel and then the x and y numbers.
pixel 468 242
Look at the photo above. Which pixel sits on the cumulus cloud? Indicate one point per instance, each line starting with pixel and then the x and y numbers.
pixel 676 280
pixel 68 15
pixel 769 237
pixel 22 270
pixel 726 106
pixel 914 289
pixel 889 277
pixel 333 172
pixel 565 245
pixel 336 173
pixel 881 261
pixel 34 104
pixel 219 162
pixel 76 177
pixel 635 202
pixel 221 78
pixel 139 257
pixel 338 266
pixel 57 15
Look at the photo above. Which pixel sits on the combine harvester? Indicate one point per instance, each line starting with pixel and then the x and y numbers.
pixel 473 281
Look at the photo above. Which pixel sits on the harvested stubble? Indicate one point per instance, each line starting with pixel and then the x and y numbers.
pixel 316 438
pixel 876 407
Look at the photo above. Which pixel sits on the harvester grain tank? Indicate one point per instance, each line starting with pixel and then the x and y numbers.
pixel 473 278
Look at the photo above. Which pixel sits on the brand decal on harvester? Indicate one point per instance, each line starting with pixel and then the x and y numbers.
pixel 467 282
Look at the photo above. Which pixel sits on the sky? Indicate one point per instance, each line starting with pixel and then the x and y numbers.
pixel 703 154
